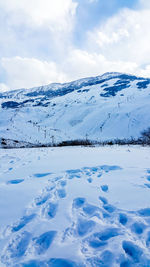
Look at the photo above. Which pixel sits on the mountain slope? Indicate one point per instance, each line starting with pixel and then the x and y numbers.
pixel 105 107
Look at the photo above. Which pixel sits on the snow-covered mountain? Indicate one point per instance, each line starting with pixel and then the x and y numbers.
pixel 106 107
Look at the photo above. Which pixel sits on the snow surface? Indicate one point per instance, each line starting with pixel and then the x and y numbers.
pixel 81 206
pixel 102 108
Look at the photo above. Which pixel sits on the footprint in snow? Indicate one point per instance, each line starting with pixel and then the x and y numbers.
pixel 144 212
pixel 100 239
pixel 103 200
pixel 91 210
pixel 74 174
pixel 84 227
pixel 43 242
pixel 17 181
pixel 63 183
pixel 16 248
pixel 40 175
pixel 50 210
pixel 123 219
pixel 23 222
pixel 109 208
pixel 104 188
pixel 132 250
pixel 99 175
pixel 138 228
pixel 61 193
pixel 105 259
pixel 107 168
pixel 42 199
pixel 78 202
pixel 90 180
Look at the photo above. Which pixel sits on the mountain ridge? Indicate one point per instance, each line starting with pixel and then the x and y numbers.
pixel 55 86
pixel 113 105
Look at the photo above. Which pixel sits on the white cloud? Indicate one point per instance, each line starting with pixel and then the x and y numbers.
pixel 144 72
pixel 124 40
pixel 119 44
pixel 41 29
pixel 30 72
pixel 28 27
pixel 4 87
pixel 144 3
pixel 81 64
pixel 56 15
pixel 125 36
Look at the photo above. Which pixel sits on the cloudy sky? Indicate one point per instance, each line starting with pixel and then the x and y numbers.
pixel 44 41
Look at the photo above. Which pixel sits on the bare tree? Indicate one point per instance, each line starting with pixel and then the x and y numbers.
pixel 146 136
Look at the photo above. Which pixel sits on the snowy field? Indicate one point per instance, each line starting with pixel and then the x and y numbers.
pixel 81 206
